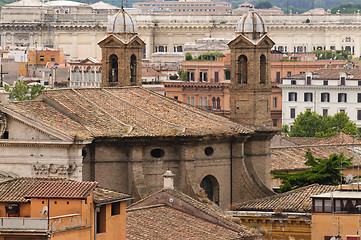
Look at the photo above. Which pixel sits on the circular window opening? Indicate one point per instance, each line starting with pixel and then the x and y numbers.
pixel 208 151
pixel 157 153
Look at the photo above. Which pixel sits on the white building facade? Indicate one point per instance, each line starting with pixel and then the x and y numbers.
pixel 325 91
pixel 85 73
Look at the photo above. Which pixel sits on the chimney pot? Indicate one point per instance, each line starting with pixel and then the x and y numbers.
pixel 168 177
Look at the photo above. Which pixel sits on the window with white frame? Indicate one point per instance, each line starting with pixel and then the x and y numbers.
pixel 325 97
pixel 308 97
pixel 292 96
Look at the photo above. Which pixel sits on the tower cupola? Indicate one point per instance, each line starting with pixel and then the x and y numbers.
pixel 121 23
pixel 251 25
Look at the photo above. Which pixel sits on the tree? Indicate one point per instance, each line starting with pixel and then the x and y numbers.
pixel 324 171
pixel 263 4
pixel 311 124
pixel 184 75
pixel 20 92
pixel 189 57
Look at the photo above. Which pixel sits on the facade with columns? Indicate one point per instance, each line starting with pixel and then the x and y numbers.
pixel 85 73
pixel 77 28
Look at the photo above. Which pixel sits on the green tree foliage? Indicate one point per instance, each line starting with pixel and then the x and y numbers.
pixel 335 55
pixel 173 77
pixel 263 4
pixel 22 91
pixel 209 56
pixel 183 75
pixel 324 171
pixel 188 57
pixel 347 7
pixel 311 124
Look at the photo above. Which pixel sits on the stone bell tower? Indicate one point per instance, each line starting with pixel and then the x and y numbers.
pixel 250 88
pixel 121 52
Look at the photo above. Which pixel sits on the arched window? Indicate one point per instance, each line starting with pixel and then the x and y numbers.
pixel 211 187
pixel 90 74
pixel 214 106
pixel 113 70
pixel 262 70
pixel 133 69
pixel 242 70
pixel 218 103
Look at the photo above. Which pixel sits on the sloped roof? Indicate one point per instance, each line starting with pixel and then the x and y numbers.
pixel 121 112
pixel 27 3
pixel 150 72
pixel 162 222
pixel 293 157
pixel 329 74
pixel 19 190
pixel 298 200
pixel 61 189
pixel 103 5
pixel 176 217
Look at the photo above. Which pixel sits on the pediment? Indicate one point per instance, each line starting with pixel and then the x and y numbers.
pixel 265 41
pixel 89 60
pixel 110 41
pixel 240 41
pixel 136 42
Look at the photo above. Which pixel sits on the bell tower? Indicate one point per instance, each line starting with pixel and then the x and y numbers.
pixel 121 52
pixel 250 88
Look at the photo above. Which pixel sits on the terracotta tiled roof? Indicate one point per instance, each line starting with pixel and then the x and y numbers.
pixel 210 210
pixel 102 195
pixel 164 222
pixel 330 74
pixel 150 72
pixel 293 157
pixel 17 190
pixel 298 200
pixel 61 189
pixel 122 112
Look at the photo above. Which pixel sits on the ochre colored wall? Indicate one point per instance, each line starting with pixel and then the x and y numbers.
pixel 346 224
pixel 57 207
pixel 115 225
pixel 79 234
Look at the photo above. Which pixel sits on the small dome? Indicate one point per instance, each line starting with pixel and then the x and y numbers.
pixel 121 22
pixel 251 23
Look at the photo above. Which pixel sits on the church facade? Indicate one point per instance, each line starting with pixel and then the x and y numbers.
pixel 125 137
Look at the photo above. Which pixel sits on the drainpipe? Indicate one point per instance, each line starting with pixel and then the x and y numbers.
pixel 95 222
pixel 231 150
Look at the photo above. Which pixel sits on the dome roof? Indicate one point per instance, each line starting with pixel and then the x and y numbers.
pixel 121 22
pixel 251 22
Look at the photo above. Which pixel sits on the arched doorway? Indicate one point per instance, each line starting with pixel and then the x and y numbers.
pixel 211 187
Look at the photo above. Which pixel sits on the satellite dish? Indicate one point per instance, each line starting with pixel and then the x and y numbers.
pixel 333 238
pixel 44 212
pixel 349 179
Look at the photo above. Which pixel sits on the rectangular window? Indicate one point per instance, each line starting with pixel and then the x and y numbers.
pixel 216 77
pixel 342 110
pixel 292 112
pixel 324 112
pixel 359 83
pixel 205 103
pixel 292 97
pixel 52 59
pixel 343 81
pixel 274 102
pixel 308 80
pixel 342 97
pixel 176 97
pixel 274 122
pixel 325 82
pixel 289 74
pixel 358 97
pixel 278 77
pixel 308 97
pixel 318 205
pixel 203 76
pixel 327 205
pixel 358 114
pixel 325 97
pixel 41 58
pixel 101 219
pixel 201 102
pixel 189 100
pixel 193 101
pixel 293 82
pixel 115 208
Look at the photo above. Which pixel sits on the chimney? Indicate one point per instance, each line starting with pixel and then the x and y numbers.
pixel 168 177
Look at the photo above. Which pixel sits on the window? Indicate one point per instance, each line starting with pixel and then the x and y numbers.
pixel 176 97
pixel 263 70
pixel 189 100
pixel 203 76
pixel 101 219
pixel 343 81
pixel 325 97
pixel 359 83
pixel 325 82
pixel 178 48
pixel 209 151
pixel 115 208
pixel 278 77
pixel 308 97
pixel 214 104
pixel 133 69
pixel 292 112
pixel 193 101
pixel 342 110
pixel 190 76
pixel 292 97
pixel 358 97
pixel 157 153
pixel 201 102
pixel 216 77
pixel 293 82
pixel 289 74
pixel 274 102
pixel 342 97
pixel 41 58
pixel 241 71
pixel 218 103
pixel 205 103
pixel 327 205
pixel 274 122
pixel 318 205
pixel 308 80
pixel 324 112
pixel 358 114
pixel 52 59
